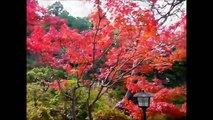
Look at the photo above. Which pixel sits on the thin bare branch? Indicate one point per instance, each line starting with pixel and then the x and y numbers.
pixel 105 51
pixel 170 12
pixel 97 97
pixel 62 91
pixel 127 60
pixel 116 64
pixel 123 74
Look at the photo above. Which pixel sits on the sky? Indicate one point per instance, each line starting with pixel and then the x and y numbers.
pixel 76 8
pixel 79 8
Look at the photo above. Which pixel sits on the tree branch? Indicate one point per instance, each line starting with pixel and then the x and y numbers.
pixel 165 16
pixel 62 91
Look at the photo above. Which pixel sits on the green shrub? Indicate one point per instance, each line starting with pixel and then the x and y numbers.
pixel 45 105
pixel 109 114
pixel 45 73
pixel 50 104
pixel 105 102
pixel 119 92
pixel 164 117
pixel 158 117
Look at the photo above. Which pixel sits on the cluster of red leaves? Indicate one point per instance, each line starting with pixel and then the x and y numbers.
pixel 95 15
pixel 133 109
pixel 157 108
pixel 54 21
pixel 143 84
pixel 138 38
pixel 165 108
pixel 63 84
pixel 184 107
pixel 48 44
pixel 33 11
pixel 86 82
pixel 169 95
pixel 38 16
pixel 154 1
pixel 161 103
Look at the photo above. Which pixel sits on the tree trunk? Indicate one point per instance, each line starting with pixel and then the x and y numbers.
pixel 74 104
pixel 90 112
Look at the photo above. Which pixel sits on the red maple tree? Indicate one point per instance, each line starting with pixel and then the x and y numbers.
pixel 125 43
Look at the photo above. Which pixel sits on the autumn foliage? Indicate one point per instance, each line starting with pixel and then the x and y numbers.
pixel 161 103
pixel 124 38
